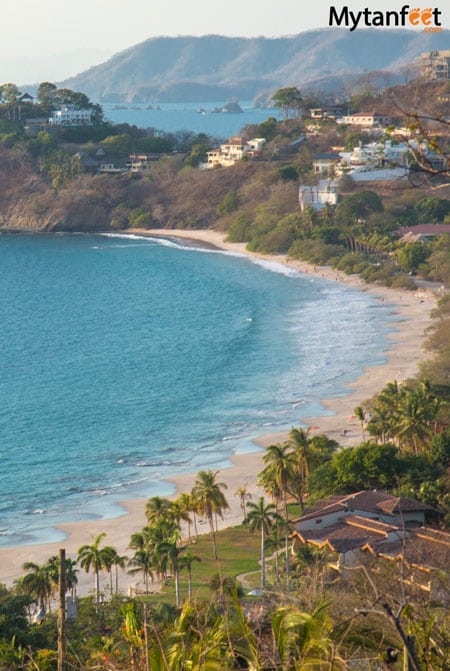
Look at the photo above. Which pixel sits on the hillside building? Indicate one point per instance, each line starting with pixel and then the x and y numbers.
pixel 323 163
pixel 389 528
pixel 435 64
pixel 365 119
pixel 319 195
pixel 69 115
pixel 234 149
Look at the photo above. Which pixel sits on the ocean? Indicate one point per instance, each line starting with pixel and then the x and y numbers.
pixel 125 360
pixel 172 117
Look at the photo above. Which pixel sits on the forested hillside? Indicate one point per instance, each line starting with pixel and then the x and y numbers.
pixel 213 67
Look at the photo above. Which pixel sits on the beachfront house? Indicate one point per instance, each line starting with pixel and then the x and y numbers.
pixel 388 528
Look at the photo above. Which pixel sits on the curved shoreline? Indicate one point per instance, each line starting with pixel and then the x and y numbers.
pixel 413 317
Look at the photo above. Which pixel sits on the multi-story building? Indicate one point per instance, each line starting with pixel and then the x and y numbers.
pixel 234 149
pixel 69 115
pixel 435 64
pixel 318 196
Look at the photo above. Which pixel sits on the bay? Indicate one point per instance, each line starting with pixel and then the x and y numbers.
pixel 125 360
pixel 172 117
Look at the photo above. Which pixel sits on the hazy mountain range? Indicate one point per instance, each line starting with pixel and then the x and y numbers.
pixel 214 67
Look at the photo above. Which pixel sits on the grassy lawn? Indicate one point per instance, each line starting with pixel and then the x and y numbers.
pixel 238 551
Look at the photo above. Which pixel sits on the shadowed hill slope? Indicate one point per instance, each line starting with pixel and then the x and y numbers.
pixel 171 68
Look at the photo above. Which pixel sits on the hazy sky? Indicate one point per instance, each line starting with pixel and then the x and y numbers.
pixel 32 29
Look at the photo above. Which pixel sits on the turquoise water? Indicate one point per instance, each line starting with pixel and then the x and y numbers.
pixel 125 360
pixel 175 116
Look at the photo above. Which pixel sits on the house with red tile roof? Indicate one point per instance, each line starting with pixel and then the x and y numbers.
pixel 388 527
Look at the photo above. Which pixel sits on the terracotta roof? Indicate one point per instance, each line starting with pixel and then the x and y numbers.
pixel 370 501
pixel 424 548
pixel 369 524
pixel 402 504
pixel 426 229
pixel 347 534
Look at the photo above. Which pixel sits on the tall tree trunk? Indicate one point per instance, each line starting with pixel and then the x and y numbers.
pixel 177 586
pixel 288 567
pixel 263 559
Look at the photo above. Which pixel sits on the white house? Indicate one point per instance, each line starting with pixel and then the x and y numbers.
pixel 376 161
pixel 69 115
pixel 365 119
pixel 234 149
pixel 318 196
pixel 323 162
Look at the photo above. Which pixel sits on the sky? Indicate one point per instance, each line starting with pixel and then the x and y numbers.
pixel 34 34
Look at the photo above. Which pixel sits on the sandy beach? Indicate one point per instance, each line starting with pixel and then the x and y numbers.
pixel 406 351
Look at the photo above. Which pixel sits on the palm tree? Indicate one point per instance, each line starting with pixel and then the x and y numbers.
pixel 132 633
pixel 274 543
pixel 179 513
pixel 185 505
pixel 304 640
pixel 157 508
pixel 262 518
pixel 168 554
pixel 119 562
pixel 210 499
pixel 413 422
pixel 186 562
pixel 279 460
pixel 142 562
pixel 243 494
pixel 361 415
pixel 111 558
pixel 302 457
pixel 71 573
pixel 92 556
pixel 37 583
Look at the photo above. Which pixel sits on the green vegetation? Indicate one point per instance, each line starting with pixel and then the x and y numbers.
pixel 308 616
pixel 256 202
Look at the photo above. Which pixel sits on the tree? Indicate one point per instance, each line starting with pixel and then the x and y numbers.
pixel 168 554
pixel 262 518
pixel 412 255
pixel 279 462
pixel 46 94
pixel 142 562
pixel 37 583
pixel 186 562
pixel 288 99
pixel 358 206
pixel 304 640
pixel 243 494
pixel 95 558
pixel 230 203
pixel 361 416
pixel 157 508
pixel 302 458
pixel 9 93
pixel 119 562
pixel 71 572
pixel 210 499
